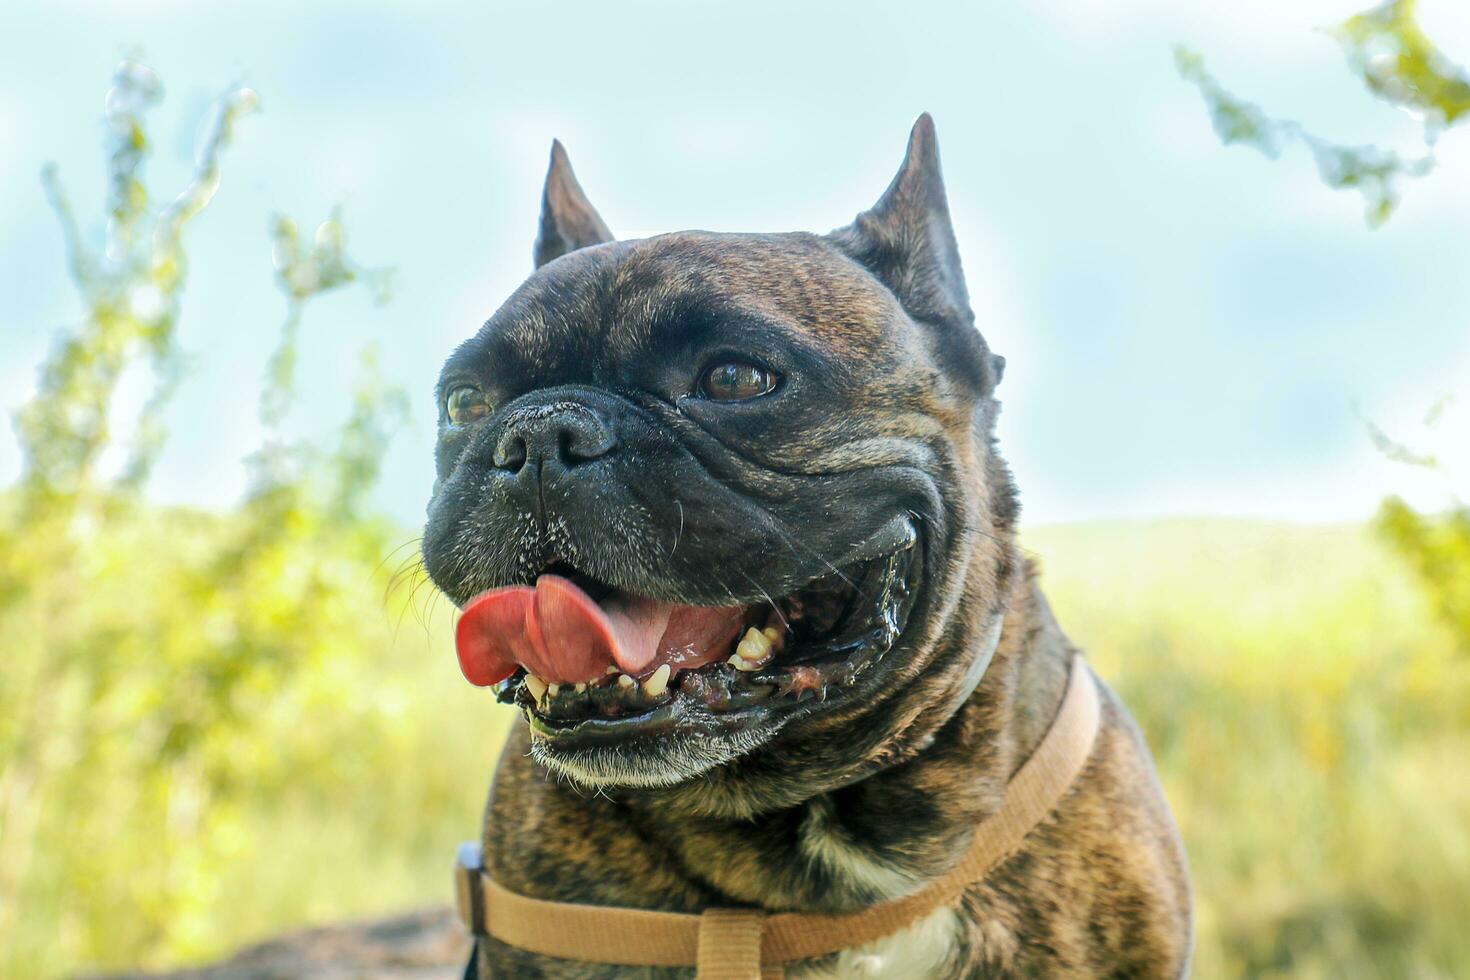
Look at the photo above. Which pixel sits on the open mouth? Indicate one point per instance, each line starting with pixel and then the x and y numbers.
pixel 590 663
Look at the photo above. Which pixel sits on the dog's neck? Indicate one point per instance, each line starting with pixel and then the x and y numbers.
pixel 906 822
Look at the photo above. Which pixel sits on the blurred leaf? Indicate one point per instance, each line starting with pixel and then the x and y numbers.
pixel 1234 120
pixel 1387 48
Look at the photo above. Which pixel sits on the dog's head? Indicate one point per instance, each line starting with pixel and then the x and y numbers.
pixel 718 505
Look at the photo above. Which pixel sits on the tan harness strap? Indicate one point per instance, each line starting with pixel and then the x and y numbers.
pixel 745 944
pixel 593 933
pixel 729 945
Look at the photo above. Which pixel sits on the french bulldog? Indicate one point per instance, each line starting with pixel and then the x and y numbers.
pixel 727 522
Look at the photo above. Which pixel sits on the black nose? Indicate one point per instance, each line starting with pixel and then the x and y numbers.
pixel 557 435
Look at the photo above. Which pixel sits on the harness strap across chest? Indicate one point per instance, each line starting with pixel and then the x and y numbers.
pixel 748 944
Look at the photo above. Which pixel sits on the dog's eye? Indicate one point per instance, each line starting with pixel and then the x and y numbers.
pixel 735 381
pixel 465 404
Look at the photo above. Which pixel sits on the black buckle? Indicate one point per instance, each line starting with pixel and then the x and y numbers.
pixel 469 889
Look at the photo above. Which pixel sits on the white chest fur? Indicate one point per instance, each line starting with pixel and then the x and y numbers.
pixel 924 951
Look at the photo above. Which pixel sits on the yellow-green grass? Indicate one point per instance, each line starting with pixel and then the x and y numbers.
pixel 1311 727
pixel 1310 723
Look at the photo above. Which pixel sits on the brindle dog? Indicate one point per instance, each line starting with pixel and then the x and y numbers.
pixel 795 430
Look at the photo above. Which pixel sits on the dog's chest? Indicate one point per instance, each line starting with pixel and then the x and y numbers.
pixel 924 951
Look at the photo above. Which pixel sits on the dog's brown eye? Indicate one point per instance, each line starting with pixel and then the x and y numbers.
pixel 465 404
pixel 735 381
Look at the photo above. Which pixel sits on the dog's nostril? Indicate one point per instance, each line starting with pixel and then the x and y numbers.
pixel 578 444
pixel 510 452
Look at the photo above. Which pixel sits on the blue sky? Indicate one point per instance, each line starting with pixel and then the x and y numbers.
pixel 1189 329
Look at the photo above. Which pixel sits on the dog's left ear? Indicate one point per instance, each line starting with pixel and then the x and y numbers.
pixel 568 219
pixel 907 241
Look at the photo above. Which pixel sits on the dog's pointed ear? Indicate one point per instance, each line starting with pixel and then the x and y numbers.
pixel 907 241
pixel 568 219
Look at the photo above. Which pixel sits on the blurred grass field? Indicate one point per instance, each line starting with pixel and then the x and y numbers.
pixel 1311 725
pixel 1310 722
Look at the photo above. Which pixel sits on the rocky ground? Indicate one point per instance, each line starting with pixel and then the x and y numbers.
pixel 424 945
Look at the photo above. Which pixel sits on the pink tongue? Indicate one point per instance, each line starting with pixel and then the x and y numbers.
pixel 557 632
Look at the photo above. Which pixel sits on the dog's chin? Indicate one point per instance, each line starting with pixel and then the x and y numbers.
pixel 666 761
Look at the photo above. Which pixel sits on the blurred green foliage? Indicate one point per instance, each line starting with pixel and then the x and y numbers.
pixel 1388 51
pixel 170 676
pixel 1438 548
pixel 1435 546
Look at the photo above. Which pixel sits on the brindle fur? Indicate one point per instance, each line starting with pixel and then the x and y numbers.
pixel 865 800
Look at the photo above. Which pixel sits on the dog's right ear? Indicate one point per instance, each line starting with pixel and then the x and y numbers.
pixel 568 219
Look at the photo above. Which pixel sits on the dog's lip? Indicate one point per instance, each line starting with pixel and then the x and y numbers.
pixel 672 717
pixel 898 533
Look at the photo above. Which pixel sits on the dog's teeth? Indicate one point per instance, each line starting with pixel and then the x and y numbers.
pixel 625 682
pixel 740 663
pixel 580 688
pixel 611 669
pixel 658 683
pixel 553 689
pixel 772 634
pixel 754 645
pixel 536 686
